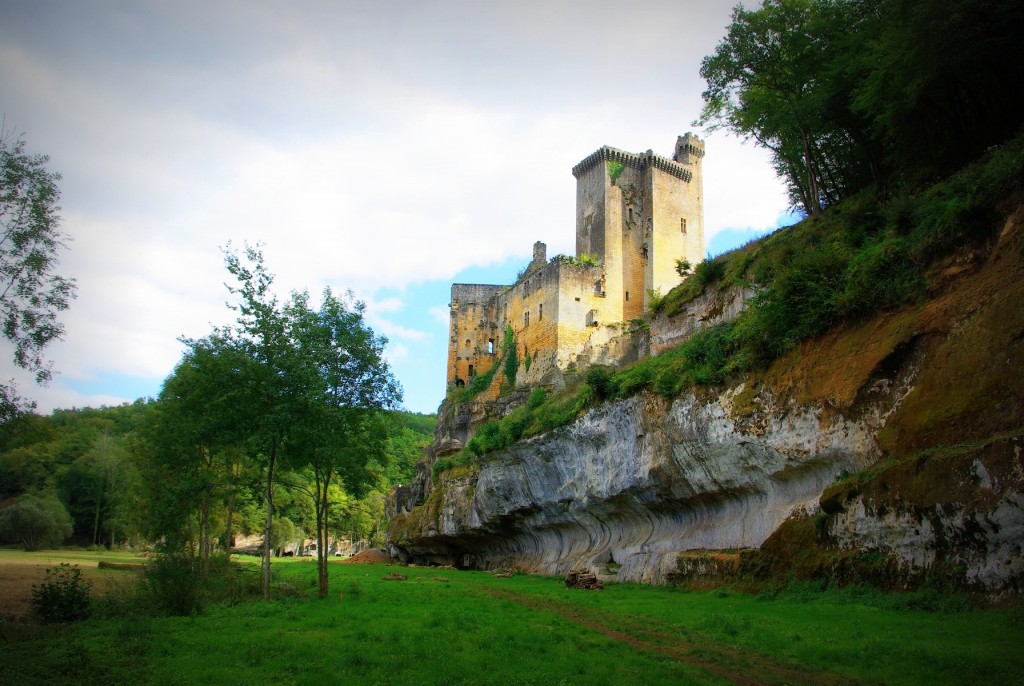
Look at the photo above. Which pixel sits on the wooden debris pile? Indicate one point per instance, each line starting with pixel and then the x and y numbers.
pixel 581 578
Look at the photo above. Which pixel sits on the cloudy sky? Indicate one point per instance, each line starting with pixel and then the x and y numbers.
pixel 389 148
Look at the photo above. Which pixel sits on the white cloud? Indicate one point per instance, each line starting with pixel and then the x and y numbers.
pixel 368 149
pixel 395 352
pixel 441 314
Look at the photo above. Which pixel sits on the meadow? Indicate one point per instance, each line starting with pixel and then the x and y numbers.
pixel 444 626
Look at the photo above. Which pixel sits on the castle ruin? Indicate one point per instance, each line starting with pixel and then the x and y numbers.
pixel 636 215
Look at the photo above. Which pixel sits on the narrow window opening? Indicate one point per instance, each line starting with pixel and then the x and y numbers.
pixel 526 318
pixel 472 372
pixel 682 225
pixel 645 252
pixel 627 296
pixel 540 312
pixel 490 347
pixel 629 211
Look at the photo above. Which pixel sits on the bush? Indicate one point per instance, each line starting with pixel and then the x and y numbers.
pixel 536 399
pixel 35 522
pixel 709 271
pixel 173 584
pixel 63 596
pixel 602 380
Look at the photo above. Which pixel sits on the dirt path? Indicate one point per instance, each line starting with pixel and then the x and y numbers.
pixel 733 664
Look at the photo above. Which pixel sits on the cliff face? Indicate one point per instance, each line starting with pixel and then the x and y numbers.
pixel 899 437
pixel 633 483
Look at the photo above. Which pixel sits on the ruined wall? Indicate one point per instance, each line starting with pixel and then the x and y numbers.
pixel 472 341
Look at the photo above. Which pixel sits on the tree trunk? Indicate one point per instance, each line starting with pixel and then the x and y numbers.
pixel 227 529
pixel 204 537
pixel 270 519
pixel 323 482
pixel 812 181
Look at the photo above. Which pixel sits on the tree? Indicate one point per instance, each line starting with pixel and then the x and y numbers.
pixel 31 292
pixel 35 522
pixel 849 93
pixel 939 90
pixel 344 432
pixel 198 435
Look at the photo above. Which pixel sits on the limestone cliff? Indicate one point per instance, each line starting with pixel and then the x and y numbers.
pixel 909 423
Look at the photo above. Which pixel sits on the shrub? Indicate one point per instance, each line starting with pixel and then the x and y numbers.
pixel 880 276
pixel 536 399
pixel 35 522
pixel 602 380
pixel 63 596
pixel 708 271
pixel 655 299
pixel 172 582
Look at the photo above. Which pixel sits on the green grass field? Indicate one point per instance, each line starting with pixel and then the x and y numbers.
pixel 453 627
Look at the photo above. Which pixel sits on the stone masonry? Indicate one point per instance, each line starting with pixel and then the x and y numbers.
pixel 636 214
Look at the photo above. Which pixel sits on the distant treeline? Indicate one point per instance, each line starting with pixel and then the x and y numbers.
pixel 93 463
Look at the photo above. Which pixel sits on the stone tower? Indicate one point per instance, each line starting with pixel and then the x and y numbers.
pixel 637 214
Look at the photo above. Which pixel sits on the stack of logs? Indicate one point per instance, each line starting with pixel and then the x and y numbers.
pixel 584 579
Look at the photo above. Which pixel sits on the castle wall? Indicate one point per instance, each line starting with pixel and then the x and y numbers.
pixel 636 227
pixel 470 332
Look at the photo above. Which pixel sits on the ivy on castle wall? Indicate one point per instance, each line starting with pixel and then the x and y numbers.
pixel 511 355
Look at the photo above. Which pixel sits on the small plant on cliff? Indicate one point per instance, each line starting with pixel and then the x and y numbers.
pixel 655 299
pixel 615 169
pixel 683 267
pixel 709 271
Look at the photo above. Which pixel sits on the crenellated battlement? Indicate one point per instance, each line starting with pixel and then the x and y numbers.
pixel 640 161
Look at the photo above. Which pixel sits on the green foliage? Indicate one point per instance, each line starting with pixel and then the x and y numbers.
pixel 603 382
pixel 511 356
pixel 173 583
pixel 540 413
pixel 849 94
pixel 655 299
pixel 63 596
pixel 412 433
pixel 708 271
pixel 536 399
pixel 615 169
pixel 583 261
pixel 35 522
pixel 31 292
pixel 683 267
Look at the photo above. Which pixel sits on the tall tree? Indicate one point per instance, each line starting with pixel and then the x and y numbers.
pixel 272 383
pixel 345 432
pixel 31 292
